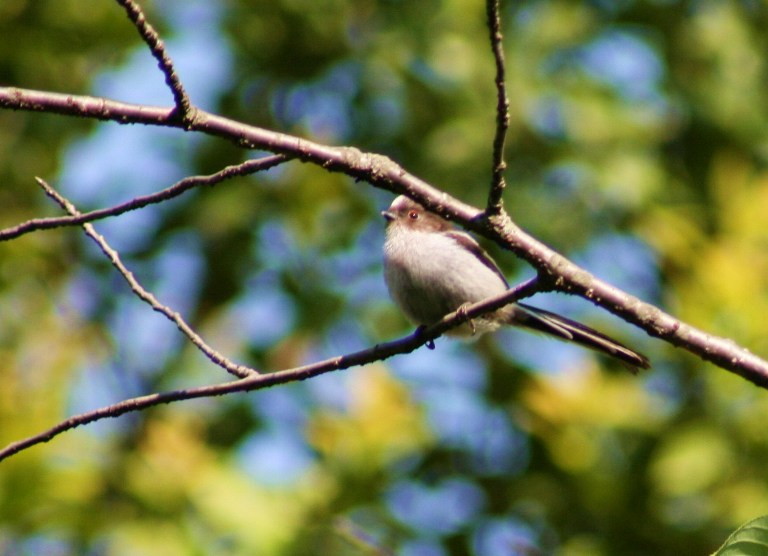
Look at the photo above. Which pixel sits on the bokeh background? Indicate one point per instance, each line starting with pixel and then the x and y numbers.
pixel 638 147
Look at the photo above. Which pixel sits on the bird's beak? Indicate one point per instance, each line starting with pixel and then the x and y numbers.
pixel 388 216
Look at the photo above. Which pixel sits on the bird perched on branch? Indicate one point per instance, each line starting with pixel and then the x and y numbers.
pixel 433 269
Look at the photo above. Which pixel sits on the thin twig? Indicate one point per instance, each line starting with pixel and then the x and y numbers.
pixel 246 168
pixel 378 352
pixel 240 371
pixel 157 48
pixel 502 110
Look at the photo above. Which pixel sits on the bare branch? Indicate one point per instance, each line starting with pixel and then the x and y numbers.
pixel 502 109
pixel 243 169
pixel 260 381
pixel 373 168
pixel 557 272
pixel 156 46
pixel 217 358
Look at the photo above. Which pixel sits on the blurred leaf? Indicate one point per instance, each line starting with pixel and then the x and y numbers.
pixel 751 539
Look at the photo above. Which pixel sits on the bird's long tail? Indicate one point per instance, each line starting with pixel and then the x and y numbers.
pixel 539 320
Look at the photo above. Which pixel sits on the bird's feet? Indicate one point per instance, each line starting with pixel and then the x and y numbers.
pixel 420 332
pixel 462 314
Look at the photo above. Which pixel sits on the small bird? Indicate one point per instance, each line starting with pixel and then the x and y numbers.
pixel 433 269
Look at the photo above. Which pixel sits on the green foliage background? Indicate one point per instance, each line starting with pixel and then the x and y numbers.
pixel 638 146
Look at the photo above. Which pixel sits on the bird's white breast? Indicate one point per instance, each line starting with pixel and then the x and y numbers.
pixel 429 274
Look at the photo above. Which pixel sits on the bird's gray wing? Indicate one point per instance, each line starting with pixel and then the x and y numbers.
pixel 469 243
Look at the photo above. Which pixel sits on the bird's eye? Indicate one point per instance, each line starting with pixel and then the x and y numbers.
pixel 413 214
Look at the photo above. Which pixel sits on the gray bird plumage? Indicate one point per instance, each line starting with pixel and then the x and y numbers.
pixel 432 269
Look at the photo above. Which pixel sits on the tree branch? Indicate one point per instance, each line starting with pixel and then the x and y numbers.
pixel 216 357
pixel 246 168
pixel 498 184
pixel 374 168
pixel 184 109
pixel 556 271
pixel 260 381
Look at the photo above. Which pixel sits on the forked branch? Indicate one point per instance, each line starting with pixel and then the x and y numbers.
pixel 146 296
pixel 260 381
pixel 156 46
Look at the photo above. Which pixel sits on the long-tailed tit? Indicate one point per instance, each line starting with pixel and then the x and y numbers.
pixel 432 269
